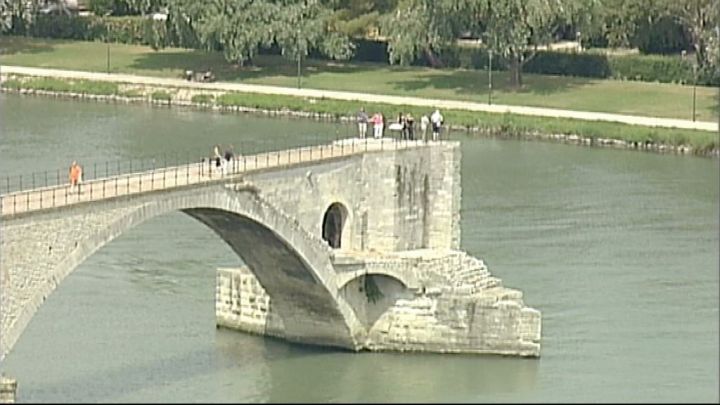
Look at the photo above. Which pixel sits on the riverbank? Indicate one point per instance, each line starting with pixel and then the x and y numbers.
pixel 506 125
pixel 546 93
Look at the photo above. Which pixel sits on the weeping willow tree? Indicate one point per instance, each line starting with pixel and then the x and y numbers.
pixel 513 29
pixel 422 28
pixel 240 28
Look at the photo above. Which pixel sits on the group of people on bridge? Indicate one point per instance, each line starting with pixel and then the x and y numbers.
pixel 221 162
pixel 405 125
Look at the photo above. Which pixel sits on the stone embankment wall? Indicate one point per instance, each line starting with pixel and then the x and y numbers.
pixel 133 93
pixel 452 304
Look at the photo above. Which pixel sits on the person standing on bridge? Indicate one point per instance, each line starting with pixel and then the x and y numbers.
pixel 362 121
pixel 217 159
pixel 437 120
pixel 229 156
pixel 410 126
pixel 424 123
pixel 75 175
pixel 378 124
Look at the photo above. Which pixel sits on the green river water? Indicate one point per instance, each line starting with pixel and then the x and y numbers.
pixel 618 250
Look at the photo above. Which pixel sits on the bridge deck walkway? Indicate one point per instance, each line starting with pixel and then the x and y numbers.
pixel 167 178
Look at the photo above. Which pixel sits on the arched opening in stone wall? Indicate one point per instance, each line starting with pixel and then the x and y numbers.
pixel 333 223
pixel 371 295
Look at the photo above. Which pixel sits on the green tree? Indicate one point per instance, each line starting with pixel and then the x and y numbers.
pixel 241 27
pixel 236 27
pixel 305 25
pixel 515 29
pixel 701 18
pixel 126 7
pixel 5 13
pixel 423 28
pixel 360 18
pixel 18 14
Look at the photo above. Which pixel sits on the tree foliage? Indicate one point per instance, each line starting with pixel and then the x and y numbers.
pixel 516 28
pixel 702 19
pixel 125 7
pixel 423 27
pixel 360 18
pixel 512 29
pixel 241 27
pixel 302 26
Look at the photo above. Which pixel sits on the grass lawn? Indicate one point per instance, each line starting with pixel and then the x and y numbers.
pixel 624 97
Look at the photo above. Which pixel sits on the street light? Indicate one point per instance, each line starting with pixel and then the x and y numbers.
pixel 297 46
pixel 107 41
pixel 298 60
pixel 717 61
pixel 694 87
pixel 694 68
pixel 490 56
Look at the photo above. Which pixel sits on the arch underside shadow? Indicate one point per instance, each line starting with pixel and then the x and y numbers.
pixel 288 279
pixel 305 299
pixel 277 266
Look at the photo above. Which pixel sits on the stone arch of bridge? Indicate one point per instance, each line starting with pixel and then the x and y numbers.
pixel 292 266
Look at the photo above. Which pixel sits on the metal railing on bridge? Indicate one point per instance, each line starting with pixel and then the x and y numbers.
pixel 51 189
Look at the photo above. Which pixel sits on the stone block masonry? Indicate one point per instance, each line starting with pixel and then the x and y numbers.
pixel 449 303
pixel 8 390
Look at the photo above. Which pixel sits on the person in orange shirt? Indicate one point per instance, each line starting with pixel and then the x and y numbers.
pixel 75 175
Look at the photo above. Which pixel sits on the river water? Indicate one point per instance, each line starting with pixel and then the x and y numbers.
pixel 618 250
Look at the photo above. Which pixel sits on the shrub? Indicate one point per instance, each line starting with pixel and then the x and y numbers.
pixel 202 98
pixel 132 93
pixel 651 68
pixel 570 64
pixel 127 30
pixel 161 96
pixel 64 86
pixel 13 84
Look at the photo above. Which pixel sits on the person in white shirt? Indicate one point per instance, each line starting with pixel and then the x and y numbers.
pixel 437 120
pixel 424 123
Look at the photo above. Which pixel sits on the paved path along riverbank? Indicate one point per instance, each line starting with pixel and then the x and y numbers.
pixel 365 97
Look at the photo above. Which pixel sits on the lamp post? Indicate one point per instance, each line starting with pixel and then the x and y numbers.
pixel 107 41
pixel 490 56
pixel 694 68
pixel 694 87
pixel 717 61
pixel 299 66
pixel 297 45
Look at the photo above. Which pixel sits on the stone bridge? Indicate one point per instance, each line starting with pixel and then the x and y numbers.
pixel 352 244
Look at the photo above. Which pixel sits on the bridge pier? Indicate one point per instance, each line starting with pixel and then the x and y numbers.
pixel 422 300
pixel 8 390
